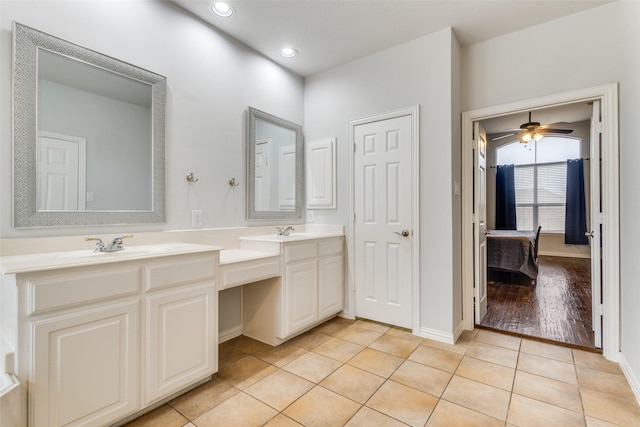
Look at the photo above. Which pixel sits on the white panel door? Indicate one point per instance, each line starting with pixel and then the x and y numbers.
pixel 182 339
pixel 383 220
pixel 263 175
pixel 86 372
pixel 61 172
pixel 480 221
pixel 596 224
pixel 287 178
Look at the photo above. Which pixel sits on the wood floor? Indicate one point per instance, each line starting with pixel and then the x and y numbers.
pixel 556 308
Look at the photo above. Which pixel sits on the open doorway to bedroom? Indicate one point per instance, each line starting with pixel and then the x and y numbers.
pixel 604 227
pixel 538 199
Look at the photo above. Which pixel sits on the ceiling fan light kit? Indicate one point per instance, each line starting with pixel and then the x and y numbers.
pixel 533 130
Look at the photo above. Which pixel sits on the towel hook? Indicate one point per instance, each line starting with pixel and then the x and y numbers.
pixel 191 178
pixel 233 183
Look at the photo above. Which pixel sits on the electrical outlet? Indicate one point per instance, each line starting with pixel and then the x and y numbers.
pixel 196 219
pixel 309 216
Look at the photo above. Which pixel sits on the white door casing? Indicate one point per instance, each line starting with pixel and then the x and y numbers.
pixel 480 221
pixel 263 175
pixel 596 223
pixel 61 172
pixel 608 96
pixel 383 197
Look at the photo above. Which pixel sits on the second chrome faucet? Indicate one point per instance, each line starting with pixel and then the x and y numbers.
pixel 284 231
pixel 114 246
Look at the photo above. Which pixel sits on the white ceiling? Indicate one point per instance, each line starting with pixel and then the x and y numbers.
pixel 328 33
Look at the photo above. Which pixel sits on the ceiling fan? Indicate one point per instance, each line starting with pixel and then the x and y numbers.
pixel 532 130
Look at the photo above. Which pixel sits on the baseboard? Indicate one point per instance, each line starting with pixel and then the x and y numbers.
pixel 565 254
pixel 458 331
pixel 346 315
pixel 631 377
pixel 436 335
pixel 229 334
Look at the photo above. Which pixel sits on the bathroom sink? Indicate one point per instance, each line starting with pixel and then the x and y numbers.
pixel 130 251
pixel 293 236
pixel 48 261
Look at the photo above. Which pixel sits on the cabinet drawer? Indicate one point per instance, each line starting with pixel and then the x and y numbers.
pixel 300 251
pixel 180 269
pixel 329 247
pixel 240 273
pixel 49 292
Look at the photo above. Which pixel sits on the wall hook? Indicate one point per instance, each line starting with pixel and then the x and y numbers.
pixel 233 183
pixel 191 178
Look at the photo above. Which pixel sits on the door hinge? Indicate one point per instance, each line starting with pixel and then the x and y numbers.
pixel 354 147
pixel 599 310
pixel 597 127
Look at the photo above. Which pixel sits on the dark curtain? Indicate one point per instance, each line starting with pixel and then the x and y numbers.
pixel 505 198
pixel 575 221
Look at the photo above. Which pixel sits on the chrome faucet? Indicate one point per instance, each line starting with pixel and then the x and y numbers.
pixel 284 231
pixel 114 246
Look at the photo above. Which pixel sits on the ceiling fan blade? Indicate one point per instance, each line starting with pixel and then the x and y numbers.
pixel 502 136
pixel 562 131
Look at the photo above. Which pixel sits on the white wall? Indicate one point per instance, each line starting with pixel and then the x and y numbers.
pixel 211 80
pixel 591 48
pixel 417 72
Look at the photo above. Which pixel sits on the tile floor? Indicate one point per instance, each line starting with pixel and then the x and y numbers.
pixel 360 373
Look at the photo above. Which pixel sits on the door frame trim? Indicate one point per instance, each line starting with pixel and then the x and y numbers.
pixel 608 94
pixel 414 113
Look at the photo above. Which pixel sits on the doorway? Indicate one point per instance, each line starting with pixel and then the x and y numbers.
pixel 607 95
pixel 539 283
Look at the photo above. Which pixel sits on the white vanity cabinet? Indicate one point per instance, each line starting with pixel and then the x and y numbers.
pixel 99 342
pixel 85 366
pixel 310 291
pixel 300 296
pixel 84 324
pixel 181 324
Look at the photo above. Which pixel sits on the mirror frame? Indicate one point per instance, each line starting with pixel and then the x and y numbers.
pixel 296 214
pixel 26 42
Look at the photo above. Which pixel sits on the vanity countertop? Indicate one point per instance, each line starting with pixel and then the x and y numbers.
pixel 293 237
pixel 230 256
pixel 55 260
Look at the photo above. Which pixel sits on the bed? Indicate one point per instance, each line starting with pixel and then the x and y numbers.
pixel 511 250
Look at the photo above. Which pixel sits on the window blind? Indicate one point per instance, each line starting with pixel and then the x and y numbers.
pixel 540 196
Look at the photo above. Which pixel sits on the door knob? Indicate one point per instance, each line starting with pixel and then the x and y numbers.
pixel 589 234
pixel 485 231
pixel 403 233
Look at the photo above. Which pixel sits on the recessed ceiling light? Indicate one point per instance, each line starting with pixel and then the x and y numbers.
pixel 288 52
pixel 222 9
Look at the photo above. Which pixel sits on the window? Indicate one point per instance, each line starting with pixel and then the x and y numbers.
pixel 540 180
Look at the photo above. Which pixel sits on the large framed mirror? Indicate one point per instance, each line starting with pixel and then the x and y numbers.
pixel 89 136
pixel 274 167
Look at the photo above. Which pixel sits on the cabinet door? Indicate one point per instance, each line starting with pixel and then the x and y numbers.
pixel 85 367
pixel 300 295
pixel 182 338
pixel 330 286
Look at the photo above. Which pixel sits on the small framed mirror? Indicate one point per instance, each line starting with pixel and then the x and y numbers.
pixel 274 167
pixel 89 136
